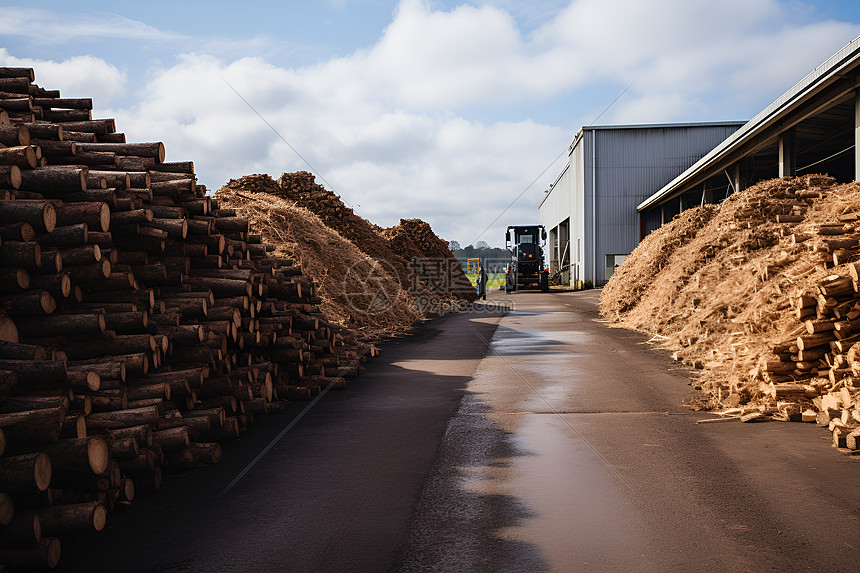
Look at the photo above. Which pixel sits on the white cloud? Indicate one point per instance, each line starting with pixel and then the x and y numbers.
pixel 79 76
pixel 682 68
pixel 391 162
pixel 51 28
pixel 388 126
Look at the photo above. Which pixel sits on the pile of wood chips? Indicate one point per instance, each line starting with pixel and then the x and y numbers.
pixel 335 263
pixel 421 273
pixel 761 294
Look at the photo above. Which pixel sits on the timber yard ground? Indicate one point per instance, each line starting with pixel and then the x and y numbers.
pixel 534 440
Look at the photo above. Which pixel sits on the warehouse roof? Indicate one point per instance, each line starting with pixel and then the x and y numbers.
pixel 585 128
pixel 825 86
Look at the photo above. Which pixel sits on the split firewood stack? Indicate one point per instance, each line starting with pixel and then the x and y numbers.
pixel 812 378
pixel 141 324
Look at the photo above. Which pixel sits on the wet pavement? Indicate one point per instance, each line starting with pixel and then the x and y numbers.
pixel 334 493
pixel 573 451
pixel 541 440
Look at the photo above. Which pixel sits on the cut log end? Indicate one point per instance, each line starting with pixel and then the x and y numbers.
pixel 49 218
pixel 47 302
pixel 99 517
pixel 7 509
pixel 15 178
pixel 8 330
pixel 42 471
pixel 53 552
pixel 98 454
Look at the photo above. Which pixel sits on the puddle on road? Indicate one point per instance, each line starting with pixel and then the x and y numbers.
pixel 577 514
pixel 576 510
pixel 515 342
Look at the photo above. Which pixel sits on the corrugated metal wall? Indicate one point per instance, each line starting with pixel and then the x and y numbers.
pixel 630 164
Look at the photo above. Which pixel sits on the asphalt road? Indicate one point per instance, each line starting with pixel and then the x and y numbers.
pixel 541 440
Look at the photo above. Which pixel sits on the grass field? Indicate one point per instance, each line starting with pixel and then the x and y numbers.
pixel 494 280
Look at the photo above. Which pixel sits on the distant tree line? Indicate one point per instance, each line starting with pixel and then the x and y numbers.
pixel 495 258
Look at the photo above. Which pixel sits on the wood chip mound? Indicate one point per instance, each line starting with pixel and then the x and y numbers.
pixel 760 294
pixel 427 264
pixel 345 253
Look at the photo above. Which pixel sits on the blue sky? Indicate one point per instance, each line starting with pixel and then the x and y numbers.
pixel 440 110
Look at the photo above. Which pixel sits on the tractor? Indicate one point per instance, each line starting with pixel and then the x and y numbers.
pixel 527 269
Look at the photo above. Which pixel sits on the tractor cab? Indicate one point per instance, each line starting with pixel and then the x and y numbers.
pixel 526 270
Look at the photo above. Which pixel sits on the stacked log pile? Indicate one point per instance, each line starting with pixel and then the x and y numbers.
pixel 761 294
pixel 143 323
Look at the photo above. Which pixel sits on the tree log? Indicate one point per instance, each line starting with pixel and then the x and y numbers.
pixel 34 402
pixel 59 284
pixel 64 324
pixel 18 232
pixel 45 131
pixel 221 287
pixel 79 136
pixel 117 180
pixel 51 262
pixel 132 217
pixel 44 555
pixel 29 303
pixel 21 254
pixel 38 372
pixel 150 150
pixel 105 370
pixel 74 426
pixel 18 351
pixel 142 434
pixel 41 215
pixel 172 439
pixel 96 215
pixel 96 126
pixel 25 473
pixel 10 177
pixel 58 179
pixel 79 455
pixel 13 279
pixel 20 155
pixel 92 273
pixel 14 136
pixel 216 416
pixel 107 195
pixel 54 149
pixel 86 255
pixel 72 518
pixel 229 430
pixel 66 237
pixel 123 418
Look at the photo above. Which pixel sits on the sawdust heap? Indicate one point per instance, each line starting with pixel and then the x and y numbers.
pixel 727 288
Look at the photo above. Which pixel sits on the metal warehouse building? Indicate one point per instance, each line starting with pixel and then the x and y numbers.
pixel 590 210
pixel 813 128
